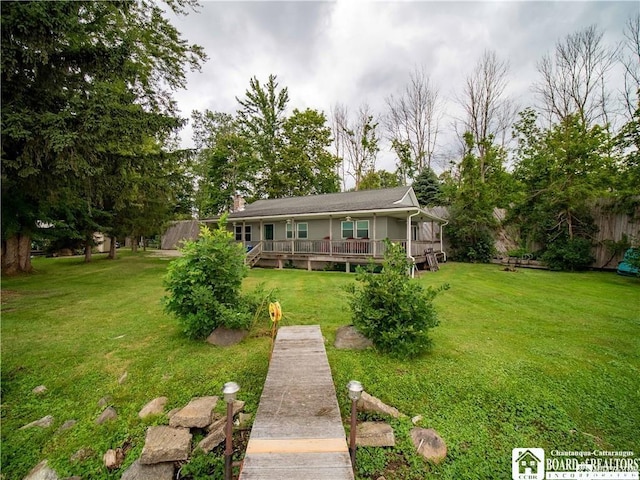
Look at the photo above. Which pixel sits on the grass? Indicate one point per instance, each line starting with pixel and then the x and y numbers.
pixel 521 359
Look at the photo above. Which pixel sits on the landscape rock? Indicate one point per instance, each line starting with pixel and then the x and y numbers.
pixel 375 434
pixel 154 407
pixel 225 337
pixel 104 401
pixel 197 414
pixel 109 413
pixel 82 455
pixel 221 420
pixel 75 477
pixel 158 471
pixel 417 419
pixel 244 419
pixel 39 389
pixel 42 472
pixel 215 438
pixel 113 458
pixel 166 444
pixel 348 338
pixel 172 412
pixel 429 444
pixel 44 422
pixel 66 425
pixel 369 403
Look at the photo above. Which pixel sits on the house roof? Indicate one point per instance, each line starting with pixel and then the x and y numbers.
pixel 388 199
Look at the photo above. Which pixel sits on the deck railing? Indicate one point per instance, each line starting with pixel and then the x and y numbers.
pixel 363 248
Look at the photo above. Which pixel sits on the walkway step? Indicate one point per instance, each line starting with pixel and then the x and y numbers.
pixel 298 432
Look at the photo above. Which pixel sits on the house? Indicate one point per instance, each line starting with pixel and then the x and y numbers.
pixel 337 228
pixel 528 463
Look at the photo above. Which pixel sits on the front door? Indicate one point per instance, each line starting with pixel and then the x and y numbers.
pixel 268 231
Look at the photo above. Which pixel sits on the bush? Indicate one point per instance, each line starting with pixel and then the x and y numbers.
pixel 569 254
pixel 391 309
pixel 204 284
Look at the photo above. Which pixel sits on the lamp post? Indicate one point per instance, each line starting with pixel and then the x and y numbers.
pixel 229 391
pixel 355 391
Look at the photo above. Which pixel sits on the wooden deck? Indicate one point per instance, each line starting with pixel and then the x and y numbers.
pixel 298 432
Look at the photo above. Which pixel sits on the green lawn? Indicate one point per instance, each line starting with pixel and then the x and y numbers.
pixel 521 359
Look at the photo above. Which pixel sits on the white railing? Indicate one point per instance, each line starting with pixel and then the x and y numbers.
pixel 364 248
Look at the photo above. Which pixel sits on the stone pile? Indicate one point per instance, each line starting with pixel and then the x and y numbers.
pixel 164 444
pixel 427 441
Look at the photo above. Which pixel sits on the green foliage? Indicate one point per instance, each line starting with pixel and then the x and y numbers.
pixel 306 167
pixel 204 284
pixel 202 466
pixel 391 309
pixel 483 186
pixel 376 179
pixel 471 387
pixel 427 188
pixel 562 170
pixel 371 461
pixel 85 91
pixel 568 254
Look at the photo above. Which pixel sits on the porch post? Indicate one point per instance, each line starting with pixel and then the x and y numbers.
pixel 330 235
pixel 244 235
pixel 409 236
pixel 374 235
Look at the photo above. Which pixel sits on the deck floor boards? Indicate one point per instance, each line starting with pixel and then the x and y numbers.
pixel 298 432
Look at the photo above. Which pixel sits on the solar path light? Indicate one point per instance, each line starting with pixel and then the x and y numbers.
pixel 355 392
pixel 229 391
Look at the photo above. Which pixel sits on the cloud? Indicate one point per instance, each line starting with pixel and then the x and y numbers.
pixel 362 51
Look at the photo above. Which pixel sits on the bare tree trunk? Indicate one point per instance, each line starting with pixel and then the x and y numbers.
pixel 112 249
pixel 574 79
pixel 413 118
pixel 134 244
pixel 88 245
pixel 16 255
pixel 144 244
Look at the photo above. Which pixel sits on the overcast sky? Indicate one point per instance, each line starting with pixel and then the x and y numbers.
pixel 363 51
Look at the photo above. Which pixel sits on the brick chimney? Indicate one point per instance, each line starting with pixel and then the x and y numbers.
pixel 238 203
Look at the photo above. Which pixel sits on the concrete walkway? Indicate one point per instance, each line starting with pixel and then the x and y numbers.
pixel 298 432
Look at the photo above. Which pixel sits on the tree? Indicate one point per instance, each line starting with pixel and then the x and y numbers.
pixel 427 188
pixel 306 166
pixel 562 170
pixel 360 139
pixel 573 79
pixel 472 226
pixel 261 119
pixel 629 56
pixel 84 84
pixel 488 113
pixel 413 120
pixel 377 179
pixel 226 162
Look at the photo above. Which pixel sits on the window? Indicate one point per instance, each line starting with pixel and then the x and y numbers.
pixel 355 229
pixel 301 230
pixel 247 233
pixel 362 229
pixel 289 231
pixel 347 229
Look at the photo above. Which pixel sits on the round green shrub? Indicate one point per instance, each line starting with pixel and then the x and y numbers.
pixel 391 309
pixel 204 284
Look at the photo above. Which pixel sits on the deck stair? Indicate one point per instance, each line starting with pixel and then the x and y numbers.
pixel 298 432
pixel 253 255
